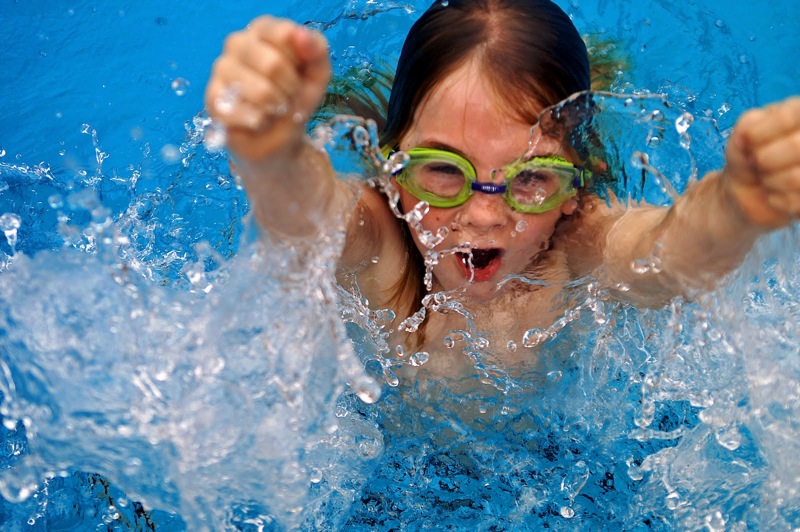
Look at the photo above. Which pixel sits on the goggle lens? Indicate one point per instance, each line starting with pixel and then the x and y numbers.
pixel 445 179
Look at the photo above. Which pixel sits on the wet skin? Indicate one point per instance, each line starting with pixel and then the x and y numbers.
pixel 462 115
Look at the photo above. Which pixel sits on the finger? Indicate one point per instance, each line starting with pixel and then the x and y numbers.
pixel 312 47
pixel 277 32
pixel 784 180
pixel 765 125
pixel 309 46
pixel 780 154
pixel 235 112
pixel 247 85
pixel 268 60
pixel 787 203
pixel 739 165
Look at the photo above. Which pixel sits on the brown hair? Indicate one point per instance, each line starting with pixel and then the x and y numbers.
pixel 526 48
pixel 531 52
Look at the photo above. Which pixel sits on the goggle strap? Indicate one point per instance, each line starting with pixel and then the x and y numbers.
pixel 580 179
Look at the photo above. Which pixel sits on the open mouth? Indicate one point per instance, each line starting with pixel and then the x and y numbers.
pixel 482 265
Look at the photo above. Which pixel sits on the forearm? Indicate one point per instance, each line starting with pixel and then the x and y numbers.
pixel 295 193
pixel 660 253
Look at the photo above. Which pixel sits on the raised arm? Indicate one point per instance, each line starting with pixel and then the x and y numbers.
pixel 659 253
pixel 264 88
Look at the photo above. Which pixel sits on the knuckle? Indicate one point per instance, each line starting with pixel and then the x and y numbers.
pixel 261 90
pixel 220 66
pixel 750 118
pixel 234 42
pixel 270 65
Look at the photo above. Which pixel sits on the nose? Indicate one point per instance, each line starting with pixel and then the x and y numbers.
pixel 483 213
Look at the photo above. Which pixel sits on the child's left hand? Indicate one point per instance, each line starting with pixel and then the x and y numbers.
pixel 762 164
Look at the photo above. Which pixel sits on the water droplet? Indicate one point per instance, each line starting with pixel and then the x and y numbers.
pixel 56 201
pixel 215 136
pixel 180 86
pixel 634 471
pixel 418 359
pixel 2 152
pixel 226 102
pixel 719 23
pixel 9 223
pixel 375 259
pixel 554 376
pixel 367 390
pixel 449 343
pixel 567 512
pixel 170 154
pixel 730 438
pixel 534 337
pixel 673 500
pixel 640 266
pixel 512 346
pixel 683 122
pixel 445 3
pixel 715 522
pixel 743 59
pixel 281 109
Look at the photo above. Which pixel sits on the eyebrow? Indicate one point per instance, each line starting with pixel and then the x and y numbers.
pixel 439 145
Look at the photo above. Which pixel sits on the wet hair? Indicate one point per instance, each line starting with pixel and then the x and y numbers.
pixel 531 53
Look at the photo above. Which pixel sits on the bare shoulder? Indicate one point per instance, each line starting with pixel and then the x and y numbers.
pixel 375 248
pixel 583 235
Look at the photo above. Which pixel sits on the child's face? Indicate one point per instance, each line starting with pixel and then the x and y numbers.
pixel 461 115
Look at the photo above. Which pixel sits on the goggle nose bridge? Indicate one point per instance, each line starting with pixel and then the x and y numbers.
pixel 488 188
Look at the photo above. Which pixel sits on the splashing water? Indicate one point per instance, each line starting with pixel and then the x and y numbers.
pixel 109 369
pixel 181 361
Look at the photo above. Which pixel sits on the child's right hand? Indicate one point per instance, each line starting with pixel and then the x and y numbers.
pixel 265 85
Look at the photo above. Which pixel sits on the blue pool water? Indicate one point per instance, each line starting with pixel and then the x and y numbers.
pixel 160 369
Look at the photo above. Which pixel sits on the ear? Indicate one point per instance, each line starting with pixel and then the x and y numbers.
pixel 570 206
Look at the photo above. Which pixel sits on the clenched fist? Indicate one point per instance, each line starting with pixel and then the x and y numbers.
pixel 265 85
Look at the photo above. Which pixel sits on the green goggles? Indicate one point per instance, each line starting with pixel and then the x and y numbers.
pixel 446 179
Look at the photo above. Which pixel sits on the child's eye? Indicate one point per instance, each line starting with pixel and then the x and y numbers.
pixel 534 178
pixel 444 169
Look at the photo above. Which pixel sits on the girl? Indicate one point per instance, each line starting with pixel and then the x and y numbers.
pixel 472 79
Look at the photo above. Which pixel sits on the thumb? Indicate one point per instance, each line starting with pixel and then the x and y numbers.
pixel 311 48
pixel 739 165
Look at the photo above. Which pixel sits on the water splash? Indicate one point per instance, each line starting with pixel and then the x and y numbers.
pixel 129 336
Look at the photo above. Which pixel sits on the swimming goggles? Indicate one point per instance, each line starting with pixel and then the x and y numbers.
pixel 446 179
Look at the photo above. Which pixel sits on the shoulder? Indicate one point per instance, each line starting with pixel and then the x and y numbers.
pixel 376 250
pixel 583 236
